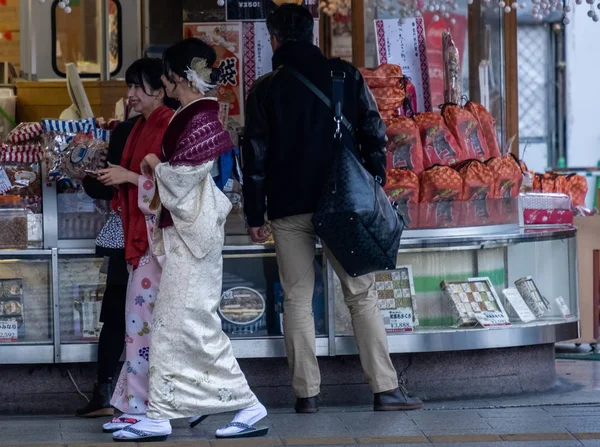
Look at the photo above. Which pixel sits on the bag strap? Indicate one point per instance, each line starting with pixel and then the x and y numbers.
pixel 337 94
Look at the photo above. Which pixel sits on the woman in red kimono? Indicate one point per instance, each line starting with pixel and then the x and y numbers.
pixel 192 367
pixel 146 96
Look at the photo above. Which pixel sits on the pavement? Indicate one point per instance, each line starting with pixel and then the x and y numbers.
pixel 568 415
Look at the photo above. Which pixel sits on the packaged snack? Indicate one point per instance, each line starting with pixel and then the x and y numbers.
pixel 465 128
pixel 577 189
pixel 452 77
pixel 386 75
pixel 439 145
pixel 402 188
pixel 24 132
pixel 487 125
pixel 478 182
pixel 26 182
pixel 440 187
pixel 404 149
pixel 23 153
pixel 388 98
pixel 507 177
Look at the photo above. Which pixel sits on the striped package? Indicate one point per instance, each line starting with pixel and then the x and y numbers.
pixel 25 132
pixel 22 153
pixel 84 125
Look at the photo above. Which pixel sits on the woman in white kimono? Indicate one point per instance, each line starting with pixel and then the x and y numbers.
pixel 192 367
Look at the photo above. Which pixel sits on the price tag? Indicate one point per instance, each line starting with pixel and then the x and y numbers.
pixel 518 304
pixel 398 320
pixel 5 183
pixel 491 319
pixel 9 330
pixel 564 309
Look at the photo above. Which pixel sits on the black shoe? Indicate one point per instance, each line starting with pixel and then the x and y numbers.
pixel 100 404
pixel 396 400
pixel 307 404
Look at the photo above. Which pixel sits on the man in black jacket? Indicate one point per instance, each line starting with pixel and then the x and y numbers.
pixel 287 154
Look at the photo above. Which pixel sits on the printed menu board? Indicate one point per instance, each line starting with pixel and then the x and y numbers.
pixel 396 299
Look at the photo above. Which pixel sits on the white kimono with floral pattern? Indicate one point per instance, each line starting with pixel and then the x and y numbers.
pixel 192 367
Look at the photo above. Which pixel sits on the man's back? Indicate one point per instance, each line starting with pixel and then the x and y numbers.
pixel 289 133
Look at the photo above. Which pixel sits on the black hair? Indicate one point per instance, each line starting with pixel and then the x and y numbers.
pixel 178 58
pixel 290 23
pixel 150 70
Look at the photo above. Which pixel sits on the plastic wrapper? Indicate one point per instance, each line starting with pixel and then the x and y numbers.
pixel 545 201
pixel 507 177
pixel 402 187
pixel 439 145
pixel 404 149
pixel 24 132
pixel 577 189
pixel 388 98
pixel 23 153
pixel 26 182
pixel 441 188
pixel 452 78
pixel 478 182
pixel 386 75
pixel 465 128
pixel 487 124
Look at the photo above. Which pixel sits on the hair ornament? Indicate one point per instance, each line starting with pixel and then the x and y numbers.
pixel 198 74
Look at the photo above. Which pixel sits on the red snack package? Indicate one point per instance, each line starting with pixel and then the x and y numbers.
pixel 441 186
pixel 560 184
pixel 465 128
pixel 402 187
pixel 478 182
pixel 547 183
pixel 487 125
pixel 577 188
pixel 439 145
pixel 388 98
pixel 404 148
pixel 507 177
pixel 409 107
pixel 386 75
pixel 388 116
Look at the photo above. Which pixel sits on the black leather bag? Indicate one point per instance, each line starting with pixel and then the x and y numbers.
pixel 354 217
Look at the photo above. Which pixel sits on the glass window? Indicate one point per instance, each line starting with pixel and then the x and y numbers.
pixel 79 216
pixel 76 37
pixel 25 306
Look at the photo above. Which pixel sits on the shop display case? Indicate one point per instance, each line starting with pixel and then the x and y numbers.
pixel 465 268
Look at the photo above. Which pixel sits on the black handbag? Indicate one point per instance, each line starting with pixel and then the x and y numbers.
pixel 354 217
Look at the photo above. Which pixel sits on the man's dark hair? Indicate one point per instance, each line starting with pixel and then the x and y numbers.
pixel 290 23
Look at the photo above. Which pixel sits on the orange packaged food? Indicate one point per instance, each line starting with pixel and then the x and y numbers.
pixel 478 182
pixel 465 128
pixel 577 188
pixel 439 145
pixel 507 177
pixel 404 149
pixel 388 98
pixel 386 75
pixel 487 125
pixel 441 187
pixel 402 188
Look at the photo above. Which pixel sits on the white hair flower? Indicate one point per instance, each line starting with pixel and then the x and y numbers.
pixel 198 74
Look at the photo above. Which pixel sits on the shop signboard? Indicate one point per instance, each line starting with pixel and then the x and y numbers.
pixel 250 10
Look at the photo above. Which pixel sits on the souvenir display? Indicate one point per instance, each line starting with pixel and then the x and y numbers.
pixel 477 187
pixel 439 145
pixel 396 299
pixel 507 177
pixel 404 149
pixel 452 77
pixel 470 297
pixel 441 186
pixel 242 310
pixel 86 311
pixel 532 296
pixel 465 128
pixel 24 132
pixel 402 187
pixel 11 310
pixel 577 188
pixel 386 75
pixel 25 183
pixel 14 234
pixel 545 209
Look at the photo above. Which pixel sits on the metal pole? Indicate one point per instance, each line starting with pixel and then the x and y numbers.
pixel 104 53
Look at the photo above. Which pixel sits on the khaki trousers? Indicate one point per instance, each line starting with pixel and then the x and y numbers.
pixel 295 244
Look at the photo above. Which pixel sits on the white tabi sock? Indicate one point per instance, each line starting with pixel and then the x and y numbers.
pixel 248 416
pixel 125 420
pixel 147 426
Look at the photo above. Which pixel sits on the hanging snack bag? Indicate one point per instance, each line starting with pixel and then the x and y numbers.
pixel 478 182
pixel 22 153
pixel 404 149
pixel 577 189
pixel 24 132
pixel 26 183
pixel 388 98
pixel 402 188
pixel 86 152
pixel 439 145
pixel 465 128
pixel 507 184
pixel 441 188
pixel 487 125
pixel 386 75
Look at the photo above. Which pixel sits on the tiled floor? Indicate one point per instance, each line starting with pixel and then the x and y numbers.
pixel 567 416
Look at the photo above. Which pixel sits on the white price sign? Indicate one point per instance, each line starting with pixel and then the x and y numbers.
pixel 9 330
pixel 491 319
pixel 564 309
pixel 518 304
pixel 398 320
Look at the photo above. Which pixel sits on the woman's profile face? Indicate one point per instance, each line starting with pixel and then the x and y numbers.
pixel 142 98
pixel 170 86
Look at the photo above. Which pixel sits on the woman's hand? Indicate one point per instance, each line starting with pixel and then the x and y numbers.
pixel 149 164
pixel 117 175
